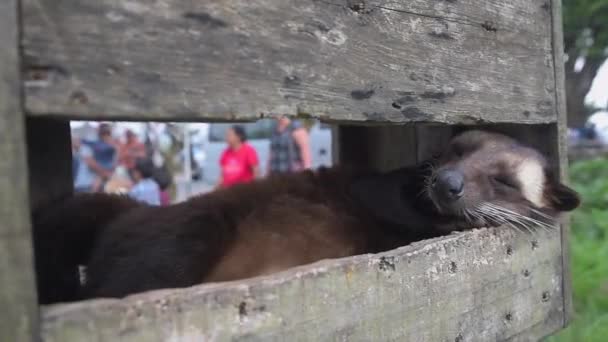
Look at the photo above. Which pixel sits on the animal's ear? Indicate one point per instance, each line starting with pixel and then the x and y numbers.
pixel 563 198
pixel 383 196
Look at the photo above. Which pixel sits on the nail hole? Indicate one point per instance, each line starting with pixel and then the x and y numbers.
pixel 509 250
pixel 459 338
pixel 243 309
pixel 79 97
pixel 489 26
pixel 526 273
pixel 534 244
pixel 387 264
pixel 509 317
pixel 546 6
pixel 358 6
pixel 453 268
pixel 546 296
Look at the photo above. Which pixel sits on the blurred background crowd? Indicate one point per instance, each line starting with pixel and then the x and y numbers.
pixel 163 163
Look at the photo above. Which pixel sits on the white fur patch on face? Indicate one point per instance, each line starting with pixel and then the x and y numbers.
pixel 531 176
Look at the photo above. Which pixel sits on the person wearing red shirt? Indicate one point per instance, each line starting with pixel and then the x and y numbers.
pixel 239 162
pixel 131 150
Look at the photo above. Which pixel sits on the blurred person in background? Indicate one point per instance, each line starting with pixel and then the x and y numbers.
pixel 84 176
pixel 144 189
pixel 104 155
pixel 75 157
pixel 163 178
pixel 130 150
pixel 239 161
pixel 289 147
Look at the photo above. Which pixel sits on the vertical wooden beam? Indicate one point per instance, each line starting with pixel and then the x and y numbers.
pixel 381 147
pixel 335 144
pixel 18 301
pixel 352 145
pixel 49 159
pixel 561 132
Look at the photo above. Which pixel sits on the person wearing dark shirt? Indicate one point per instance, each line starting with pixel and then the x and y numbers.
pixel 104 156
pixel 289 147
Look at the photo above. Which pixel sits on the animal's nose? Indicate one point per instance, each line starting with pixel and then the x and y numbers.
pixel 450 183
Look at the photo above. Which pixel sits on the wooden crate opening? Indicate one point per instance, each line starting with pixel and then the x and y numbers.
pixel 380 62
pixel 465 286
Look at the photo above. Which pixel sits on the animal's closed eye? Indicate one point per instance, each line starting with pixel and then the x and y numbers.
pixel 505 182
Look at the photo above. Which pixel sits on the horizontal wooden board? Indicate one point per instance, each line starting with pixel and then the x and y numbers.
pixel 465 61
pixel 483 285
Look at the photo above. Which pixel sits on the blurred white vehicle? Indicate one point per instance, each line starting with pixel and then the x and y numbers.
pixel 599 123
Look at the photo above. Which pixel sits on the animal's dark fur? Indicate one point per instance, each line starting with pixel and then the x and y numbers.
pixel 259 228
pixel 244 231
pixel 64 234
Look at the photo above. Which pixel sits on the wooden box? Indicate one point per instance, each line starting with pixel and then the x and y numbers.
pixel 397 76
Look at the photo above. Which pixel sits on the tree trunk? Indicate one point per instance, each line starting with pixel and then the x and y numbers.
pixel 577 87
pixel 575 104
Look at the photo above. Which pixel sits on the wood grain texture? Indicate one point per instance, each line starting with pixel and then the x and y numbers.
pixel 49 155
pixel 18 303
pixel 484 285
pixel 465 61
pixel 561 136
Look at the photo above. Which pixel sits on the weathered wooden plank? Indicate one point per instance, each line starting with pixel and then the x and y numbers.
pixel 49 155
pixel 18 302
pixel 561 137
pixel 465 61
pixel 484 285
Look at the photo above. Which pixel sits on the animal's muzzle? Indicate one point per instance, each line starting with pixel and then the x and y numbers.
pixel 449 185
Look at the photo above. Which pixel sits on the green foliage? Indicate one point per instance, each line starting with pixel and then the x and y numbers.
pixel 589 254
pixel 585 46
pixel 585 27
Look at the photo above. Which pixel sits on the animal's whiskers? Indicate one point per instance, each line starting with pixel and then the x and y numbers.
pixel 428 182
pixel 548 223
pixel 495 213
pixel 429 168
pixel 492 217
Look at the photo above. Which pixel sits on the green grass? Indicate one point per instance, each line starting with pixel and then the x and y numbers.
pixel 589 254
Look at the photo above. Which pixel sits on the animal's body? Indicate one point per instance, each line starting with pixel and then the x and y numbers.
pixel 64 234
pixel 243 231
pixel 482 179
